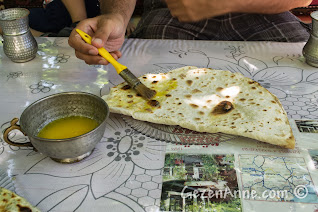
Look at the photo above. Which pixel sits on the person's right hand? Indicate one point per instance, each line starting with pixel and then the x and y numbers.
pixel 107 31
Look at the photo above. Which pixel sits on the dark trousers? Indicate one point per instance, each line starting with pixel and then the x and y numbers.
pixel 55 16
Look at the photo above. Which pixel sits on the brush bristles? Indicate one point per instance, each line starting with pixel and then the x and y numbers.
pixel 145 91
pixel 135 83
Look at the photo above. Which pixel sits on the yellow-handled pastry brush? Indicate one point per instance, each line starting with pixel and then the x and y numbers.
pixel 122 70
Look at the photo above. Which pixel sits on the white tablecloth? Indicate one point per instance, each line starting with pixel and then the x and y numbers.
pixel 124 173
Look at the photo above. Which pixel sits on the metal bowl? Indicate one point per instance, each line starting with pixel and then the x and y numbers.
pixel 58 106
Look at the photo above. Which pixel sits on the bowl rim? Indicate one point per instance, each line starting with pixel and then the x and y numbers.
pixel 59 94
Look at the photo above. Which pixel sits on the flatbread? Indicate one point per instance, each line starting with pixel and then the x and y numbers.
pixel 9 201
pixel 207 100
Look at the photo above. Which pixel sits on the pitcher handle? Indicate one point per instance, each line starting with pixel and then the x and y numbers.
pixel 14 126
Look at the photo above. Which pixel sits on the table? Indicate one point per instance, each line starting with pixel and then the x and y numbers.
pixel 125 172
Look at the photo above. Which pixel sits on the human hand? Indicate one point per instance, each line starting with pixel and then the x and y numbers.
pixel 190 10
pixel 107 31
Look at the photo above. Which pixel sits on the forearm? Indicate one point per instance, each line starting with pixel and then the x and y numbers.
pixel 76 9
pixel 267 6
pixel 124 8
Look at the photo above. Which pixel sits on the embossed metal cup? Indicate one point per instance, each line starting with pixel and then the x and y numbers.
pixel 310 50
pixel 36 116
pixel 18 43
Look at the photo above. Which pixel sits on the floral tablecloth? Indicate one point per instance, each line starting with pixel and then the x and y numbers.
pixel 124 173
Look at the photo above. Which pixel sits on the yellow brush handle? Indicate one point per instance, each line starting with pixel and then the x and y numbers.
pixel 103 52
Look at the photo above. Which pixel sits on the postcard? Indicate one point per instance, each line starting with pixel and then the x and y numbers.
pixel 199 183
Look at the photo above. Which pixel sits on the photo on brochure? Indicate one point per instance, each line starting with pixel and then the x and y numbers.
pixel 307 126
pixel 314 156
pixel 199 183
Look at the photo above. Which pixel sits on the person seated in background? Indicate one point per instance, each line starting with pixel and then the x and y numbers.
pixel 236 20
pixel 59 17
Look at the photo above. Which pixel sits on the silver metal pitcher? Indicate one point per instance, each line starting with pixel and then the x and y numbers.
pixel 310 50
pixel 18 43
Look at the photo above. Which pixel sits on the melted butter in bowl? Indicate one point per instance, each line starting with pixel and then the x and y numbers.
pixel 68 127
pixel 64 126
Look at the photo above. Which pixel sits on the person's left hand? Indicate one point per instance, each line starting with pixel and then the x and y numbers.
pixel 196 10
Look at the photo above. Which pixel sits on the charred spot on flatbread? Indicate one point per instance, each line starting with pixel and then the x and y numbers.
pixel 126 87
pixel 222 108
pixel 194 91
pixel 149 110
pixel 219 89
pixel 277 119
pixel 153 103
pixel 24 209
pixel 194 106
pixel 182 76
pixel 189 82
